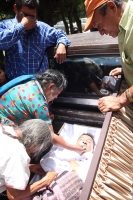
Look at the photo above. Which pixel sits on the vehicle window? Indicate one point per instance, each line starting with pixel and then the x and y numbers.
pixel 89 75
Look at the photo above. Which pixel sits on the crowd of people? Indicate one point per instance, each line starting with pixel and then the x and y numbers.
pixel 27 86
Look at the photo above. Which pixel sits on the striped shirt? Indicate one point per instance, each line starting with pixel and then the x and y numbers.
pixel 25 51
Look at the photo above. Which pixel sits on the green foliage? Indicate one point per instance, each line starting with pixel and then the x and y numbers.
pixel 6 9
pixel 50 10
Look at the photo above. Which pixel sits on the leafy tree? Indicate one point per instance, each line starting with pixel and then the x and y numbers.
pixel 51 11
pixel 6 9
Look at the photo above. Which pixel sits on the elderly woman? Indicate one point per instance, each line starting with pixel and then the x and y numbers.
pixel 29 100
pixel 31 137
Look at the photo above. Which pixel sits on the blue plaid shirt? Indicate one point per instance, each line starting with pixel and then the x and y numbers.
pixel 25 51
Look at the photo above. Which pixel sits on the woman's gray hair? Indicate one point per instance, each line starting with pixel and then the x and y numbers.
pixel 52 76
pixel 35 134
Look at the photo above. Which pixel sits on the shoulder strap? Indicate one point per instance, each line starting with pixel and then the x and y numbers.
pixel 14 82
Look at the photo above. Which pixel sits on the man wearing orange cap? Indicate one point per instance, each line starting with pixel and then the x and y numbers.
pixel 115 18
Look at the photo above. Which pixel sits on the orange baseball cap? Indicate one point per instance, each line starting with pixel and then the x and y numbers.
pixel 90 6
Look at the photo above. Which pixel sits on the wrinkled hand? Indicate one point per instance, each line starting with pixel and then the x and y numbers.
pixel 115 72
pixel 29 22
pixel 109 103
pixel 36 168
pixel 74 165
pixel 60 54
pixel 49 177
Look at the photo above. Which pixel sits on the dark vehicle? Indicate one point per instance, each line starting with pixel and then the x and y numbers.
pixel 90 58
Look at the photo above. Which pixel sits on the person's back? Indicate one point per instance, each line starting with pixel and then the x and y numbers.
pixel 10 148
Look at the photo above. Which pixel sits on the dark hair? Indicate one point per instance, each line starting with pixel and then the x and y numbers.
pixel 32 4
pixel 103 7
pixel 92 137
pixel 2 66
pixel 52 76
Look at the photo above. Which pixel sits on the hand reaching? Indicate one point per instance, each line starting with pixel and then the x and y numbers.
pixel 80 150
pixel 115 72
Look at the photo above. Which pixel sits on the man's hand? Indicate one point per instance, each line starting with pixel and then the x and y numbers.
pixel 29 22
pixel 111 103
pixel 115 72
pixel 36 168
pixel 60 54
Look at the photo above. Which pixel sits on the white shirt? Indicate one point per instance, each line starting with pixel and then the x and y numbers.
pixel 58 161
pixel 14 160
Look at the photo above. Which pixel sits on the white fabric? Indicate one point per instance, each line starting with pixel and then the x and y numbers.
pixel 14 160
pixel 53 161
pixel 70 133
pixel 84 167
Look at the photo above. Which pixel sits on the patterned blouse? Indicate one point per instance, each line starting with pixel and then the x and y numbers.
pixel 23 102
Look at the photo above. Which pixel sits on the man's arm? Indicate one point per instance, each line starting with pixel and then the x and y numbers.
pixel 61 44
pixel 112 103
pixel 14 194
pixel 8 37
pixel 58 38
pixel 94 88
pixel 60 54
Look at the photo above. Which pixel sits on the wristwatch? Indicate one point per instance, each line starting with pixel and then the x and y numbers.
pixel 128 95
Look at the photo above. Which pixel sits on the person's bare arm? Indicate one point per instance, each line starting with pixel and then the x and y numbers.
pixel 60 54
pixel 14 194
pixel 58 141
pixel 94 88
pixel 36 168
pixel 112 103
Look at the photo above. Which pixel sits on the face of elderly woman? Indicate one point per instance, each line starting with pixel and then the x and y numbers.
pixel 52 92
